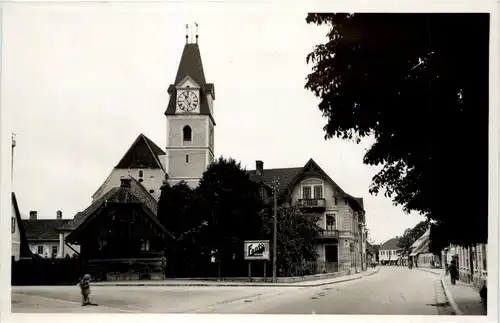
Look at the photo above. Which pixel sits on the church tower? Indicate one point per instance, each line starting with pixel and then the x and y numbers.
pixel 190 121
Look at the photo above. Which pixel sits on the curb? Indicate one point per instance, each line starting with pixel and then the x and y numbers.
pixel 236 284
pixel 429 271
pixel 450 298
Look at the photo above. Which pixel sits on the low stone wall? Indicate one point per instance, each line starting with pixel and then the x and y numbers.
pixel 279 279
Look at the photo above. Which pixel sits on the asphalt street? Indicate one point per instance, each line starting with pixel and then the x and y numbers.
pixel 393 290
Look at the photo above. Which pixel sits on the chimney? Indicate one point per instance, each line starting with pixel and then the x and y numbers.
pixel 33 215
pixel 259 167
pixel 59 215
pixel 125 182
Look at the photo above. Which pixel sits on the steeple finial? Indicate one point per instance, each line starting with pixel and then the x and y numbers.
pixel 196 24
pixel 187 33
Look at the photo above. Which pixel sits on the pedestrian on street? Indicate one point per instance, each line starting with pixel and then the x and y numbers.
pixel 453 272
pixel 85 290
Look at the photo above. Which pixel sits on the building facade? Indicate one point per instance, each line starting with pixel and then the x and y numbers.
pixel 471 261
pixel 342 244
pixel 389 252
pixel 45 238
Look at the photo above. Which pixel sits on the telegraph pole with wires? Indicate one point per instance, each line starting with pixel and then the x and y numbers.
pixel 275 185
pixel 12 160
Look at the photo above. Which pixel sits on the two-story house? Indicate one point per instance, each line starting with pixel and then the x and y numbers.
pixel 45 237
pixel 389 252
pixel 341 244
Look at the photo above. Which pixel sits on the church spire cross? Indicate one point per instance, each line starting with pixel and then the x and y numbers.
pixel 189 33
pixel 196 24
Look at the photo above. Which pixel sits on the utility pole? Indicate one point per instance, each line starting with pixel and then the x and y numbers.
pixel 12 160
pixel 275 185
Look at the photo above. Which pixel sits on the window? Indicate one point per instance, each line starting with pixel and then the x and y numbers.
pixel 141 173
pixel 13 224
pixel 39 250
pixel 330 222
pixel 54 250
pixel 318 192
pixel 312 192
pixel 144 245
pixel 262 193
pixel 331 253
pixel 187 159
pixel 186 133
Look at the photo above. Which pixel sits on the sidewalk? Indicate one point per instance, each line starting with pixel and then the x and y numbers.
pixel 464 299
pixel 194 283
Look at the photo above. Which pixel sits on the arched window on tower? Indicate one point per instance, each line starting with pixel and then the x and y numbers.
pixel 187 133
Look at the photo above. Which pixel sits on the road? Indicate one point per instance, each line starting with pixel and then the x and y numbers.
pixel 394 290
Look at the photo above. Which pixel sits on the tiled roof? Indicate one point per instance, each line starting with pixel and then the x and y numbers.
pixel 43 229
pixel 136 193
pixel 287 176
pixel 142 154
pixel 24 247
pixel 191 65
pixel 391 244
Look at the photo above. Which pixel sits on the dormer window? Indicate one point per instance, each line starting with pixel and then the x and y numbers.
pixel 187 133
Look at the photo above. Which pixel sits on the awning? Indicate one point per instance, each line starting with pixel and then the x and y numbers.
pixel 413 254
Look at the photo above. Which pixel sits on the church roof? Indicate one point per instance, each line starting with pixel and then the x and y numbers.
pixel 191 65
pixel 143 153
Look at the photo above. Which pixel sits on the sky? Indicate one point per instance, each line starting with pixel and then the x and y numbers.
pixel 81 82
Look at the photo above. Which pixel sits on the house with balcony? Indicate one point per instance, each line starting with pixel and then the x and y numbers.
pixel 342 243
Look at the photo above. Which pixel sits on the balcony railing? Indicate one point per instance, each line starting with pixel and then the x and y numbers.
pixel 329 234
pixel 311 203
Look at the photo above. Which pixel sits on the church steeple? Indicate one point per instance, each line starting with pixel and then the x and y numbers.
pixel 190 122
pixel 191 66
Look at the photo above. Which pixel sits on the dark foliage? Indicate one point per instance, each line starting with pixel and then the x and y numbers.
pixel 230 204
pixel 417 83
pixel 46 271
pixel 411 235
pixel 296 231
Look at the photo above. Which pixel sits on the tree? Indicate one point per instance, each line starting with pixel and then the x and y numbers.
pixel 296 231
pixel 174 207
pixel 230 204
pixel 418 85
pixel 411 235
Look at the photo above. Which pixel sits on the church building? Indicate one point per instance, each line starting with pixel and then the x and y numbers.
pixel 119 234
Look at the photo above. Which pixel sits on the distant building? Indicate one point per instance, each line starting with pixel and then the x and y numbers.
pixel 420 252
pixel 341 246
pixel 45 237
pixel 389 252
pixel 20 248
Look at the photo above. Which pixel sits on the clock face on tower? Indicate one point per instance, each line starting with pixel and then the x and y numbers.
pixel 187 101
